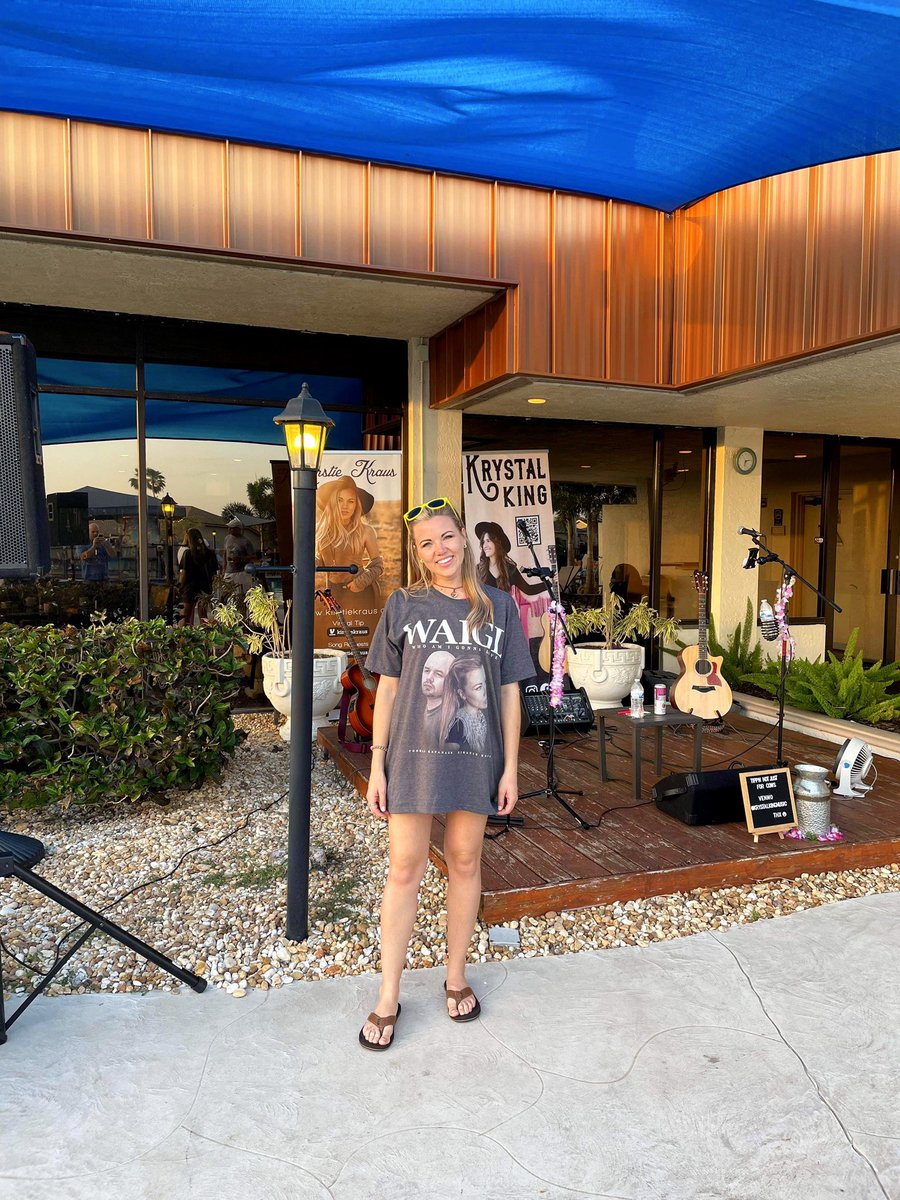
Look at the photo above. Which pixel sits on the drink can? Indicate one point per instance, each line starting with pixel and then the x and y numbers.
pixel 659 699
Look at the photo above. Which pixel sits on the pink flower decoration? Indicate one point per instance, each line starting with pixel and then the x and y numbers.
pixel 560 649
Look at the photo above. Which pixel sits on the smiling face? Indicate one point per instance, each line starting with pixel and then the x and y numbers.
pixel 440 545
pixel 473 692
pixel 488 549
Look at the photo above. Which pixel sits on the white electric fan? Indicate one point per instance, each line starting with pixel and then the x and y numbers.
pixel 852 765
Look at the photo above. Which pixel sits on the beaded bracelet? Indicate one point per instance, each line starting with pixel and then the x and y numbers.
pixel 379 748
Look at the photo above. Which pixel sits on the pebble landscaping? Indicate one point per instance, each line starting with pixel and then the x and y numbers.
pixel 208 871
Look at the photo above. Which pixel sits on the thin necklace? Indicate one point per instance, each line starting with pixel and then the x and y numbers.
pixel 452 590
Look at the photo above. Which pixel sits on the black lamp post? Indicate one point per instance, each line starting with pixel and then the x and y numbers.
pixel 305 428
pixel 167 504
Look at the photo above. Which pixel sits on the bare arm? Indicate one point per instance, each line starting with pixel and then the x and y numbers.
pixel 376 795
pixel 511 727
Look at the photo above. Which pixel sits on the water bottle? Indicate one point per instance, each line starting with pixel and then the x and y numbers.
pixel 637 699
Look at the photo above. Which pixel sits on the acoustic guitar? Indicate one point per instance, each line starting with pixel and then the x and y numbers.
pixel 358 682
pixel 700 688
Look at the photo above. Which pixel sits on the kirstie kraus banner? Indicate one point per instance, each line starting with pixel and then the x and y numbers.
pixel 357 521
pixel 507 502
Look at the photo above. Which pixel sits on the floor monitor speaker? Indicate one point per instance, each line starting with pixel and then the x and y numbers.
pixel 24 530
pixel 701 797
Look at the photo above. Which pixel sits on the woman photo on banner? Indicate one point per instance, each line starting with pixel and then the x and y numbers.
pixel 497 568
pixel 344 537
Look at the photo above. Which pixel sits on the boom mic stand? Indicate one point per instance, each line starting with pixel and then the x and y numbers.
pixel 552 788
pixel 758 555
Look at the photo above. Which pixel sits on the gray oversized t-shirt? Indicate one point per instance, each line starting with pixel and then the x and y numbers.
pixel 445 749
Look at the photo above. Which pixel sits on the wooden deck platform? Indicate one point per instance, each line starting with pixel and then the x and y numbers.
pixel 553 864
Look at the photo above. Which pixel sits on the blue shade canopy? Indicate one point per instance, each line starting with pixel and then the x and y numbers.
pixel 655 101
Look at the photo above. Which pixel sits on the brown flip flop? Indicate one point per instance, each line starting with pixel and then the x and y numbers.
pixel 374 1019
pixel 463 995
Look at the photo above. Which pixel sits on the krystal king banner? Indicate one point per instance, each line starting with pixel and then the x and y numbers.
pixel 357 521
pixel 506 496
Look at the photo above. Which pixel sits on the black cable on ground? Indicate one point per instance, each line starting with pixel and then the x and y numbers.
pixel 59 948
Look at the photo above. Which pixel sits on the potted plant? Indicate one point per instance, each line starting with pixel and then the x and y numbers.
pixel 268 636
pixel 607 668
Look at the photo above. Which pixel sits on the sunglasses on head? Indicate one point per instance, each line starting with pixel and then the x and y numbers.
pixel 429 507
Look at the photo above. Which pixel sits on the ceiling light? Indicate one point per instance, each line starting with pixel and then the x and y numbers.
pixel 536 400
pixel 682 470
pixel 685 452
pixel 585 466
pixel 801 456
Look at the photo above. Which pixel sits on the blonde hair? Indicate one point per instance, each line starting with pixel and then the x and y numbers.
pixel 454 685
pixel 331 532
pixel 481 610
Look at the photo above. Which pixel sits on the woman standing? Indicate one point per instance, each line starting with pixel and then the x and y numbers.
pixel 497 569
pixel 445 611
pixel 198 567
pixel 343 537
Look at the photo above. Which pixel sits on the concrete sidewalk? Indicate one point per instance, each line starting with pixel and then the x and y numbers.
pixel 762 1063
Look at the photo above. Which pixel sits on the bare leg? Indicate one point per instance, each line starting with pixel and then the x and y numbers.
pixel 409 835
pixel 463 839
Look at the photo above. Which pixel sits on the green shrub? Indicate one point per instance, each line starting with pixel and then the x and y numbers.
pixel 740 659
pixel 839 687
pixel 113 711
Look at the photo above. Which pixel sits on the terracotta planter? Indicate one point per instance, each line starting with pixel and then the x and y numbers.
pixel 606 675
pixel 328 666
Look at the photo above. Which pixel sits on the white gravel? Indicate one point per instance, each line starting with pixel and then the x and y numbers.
pixel 221 913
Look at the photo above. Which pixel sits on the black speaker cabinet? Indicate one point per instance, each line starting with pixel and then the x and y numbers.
pixel 700 798
pixel 24 534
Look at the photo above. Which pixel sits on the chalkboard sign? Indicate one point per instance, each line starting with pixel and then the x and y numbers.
pixel 768 800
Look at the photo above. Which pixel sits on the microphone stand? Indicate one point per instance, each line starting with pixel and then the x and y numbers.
pixel 551 789
pixel 759 556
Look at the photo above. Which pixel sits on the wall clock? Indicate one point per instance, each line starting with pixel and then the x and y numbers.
pixel 745 460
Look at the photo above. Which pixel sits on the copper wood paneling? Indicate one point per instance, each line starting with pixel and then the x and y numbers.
pixel 463 224
pixel 188 190
pixel 476 348
pixel 785 264
pixel 263 200
pixel 110 180
pixel 595 289
pixel 695 284
pixel 740 278
pixel 499 330
pixel 634 313
pixel 400 219
pixel 580 293
pixel 837 289
pixel 523 254
pixel 34 171
pixel 885 285
pixel 333 200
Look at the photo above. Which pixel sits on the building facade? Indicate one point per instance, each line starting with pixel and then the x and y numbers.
pixel 732 362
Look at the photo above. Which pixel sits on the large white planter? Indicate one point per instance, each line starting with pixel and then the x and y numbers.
pixel 328 667
pixel 606 675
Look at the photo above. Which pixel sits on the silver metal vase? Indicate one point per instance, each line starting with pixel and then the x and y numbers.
pixel 812 792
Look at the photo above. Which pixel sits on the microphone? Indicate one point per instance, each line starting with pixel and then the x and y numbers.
pixel 522 526
pixel 744 529
pixel 768 626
